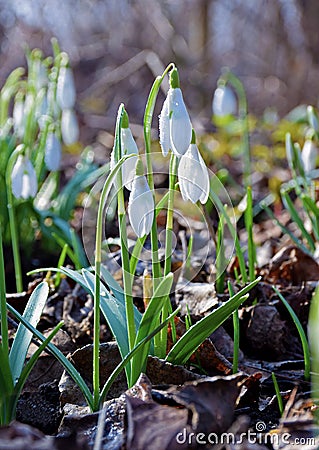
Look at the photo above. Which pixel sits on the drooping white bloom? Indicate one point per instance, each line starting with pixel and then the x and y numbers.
pixel 193 176
pixel 23 178
pixel 309 155
pixel 65 93
pixel 312 118
pixel 141 206
pixel 18 117
pixel 129 147
pixel 224 102
pixel 69 127
pixel 174 125
pixel 53 152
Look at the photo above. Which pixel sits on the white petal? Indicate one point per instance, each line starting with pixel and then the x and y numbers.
pixel 53 152
pixel 180 124
pixel 65 93
pixel 309 155
pixel 24 179
pixel 128 172
pixel 128 143
pixel 16 177
pixel 141 206
pixel 164 131
pixel 18 118
pixel 193 176
pixel 129 147
pixel 69 127
pixel 30 183
pixel 224 102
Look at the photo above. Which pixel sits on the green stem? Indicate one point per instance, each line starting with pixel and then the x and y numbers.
pixel 147 124
pixel 13 223
pixel 249 229
pixel 97 289
pixel 162 337
pixel 243 116
pixel 127 277
pixel 3 305
pixel 236 331
pixel 170 214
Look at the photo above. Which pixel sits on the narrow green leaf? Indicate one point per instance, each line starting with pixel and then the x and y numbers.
pixel 302 334
pixel 192 339
pixel 130 355
pixel 295 217
pixel 149 319
pixel 60 357
pixel 112 284
pixel 32 314
pixel 30 364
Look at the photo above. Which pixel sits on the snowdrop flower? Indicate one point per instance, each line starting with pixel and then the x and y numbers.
pixel 23 178
pixel 224 102
pixel 193 175
pixel 18 116
pixel 312 118
pixel 309 155
pixel 65 93
pixel 128 147
pixel 175 127
pixel 141 203
pixel 69 127
pixel 52 151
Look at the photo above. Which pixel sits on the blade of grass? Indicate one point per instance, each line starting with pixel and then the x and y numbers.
pixel 60 357
pixel 191 340
pixel 302 334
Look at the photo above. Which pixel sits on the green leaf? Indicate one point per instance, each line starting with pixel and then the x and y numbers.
pixel 113 311
pixel 112 284
pixel 191 340
pixel 30 364
pixel 150 318
pixel 68 366
pixel 129 356
pixel 32 314
pixel 302 334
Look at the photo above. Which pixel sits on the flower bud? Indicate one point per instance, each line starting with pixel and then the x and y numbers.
pixel 69 127
pixel 23 178
pixel 175 128
pixel 65 94
pixel 141 206
pixel 224 102
pixel 193 176
pixel 309 156
pixel 53 152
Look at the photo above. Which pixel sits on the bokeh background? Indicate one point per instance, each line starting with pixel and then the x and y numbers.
pixel 117 47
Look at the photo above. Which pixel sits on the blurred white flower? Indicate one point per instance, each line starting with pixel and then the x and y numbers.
pixel 141 206
pixel 65 93
pixel 309 155
pixel 193 176
pixel 312 118
pixel 18 117
pixel 175 127
pixel 129 147
pixel 69 127
pixel 23 178
pixel 224 102
pixel 53 152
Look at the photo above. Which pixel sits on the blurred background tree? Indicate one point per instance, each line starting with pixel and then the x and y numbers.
pixel 118 46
